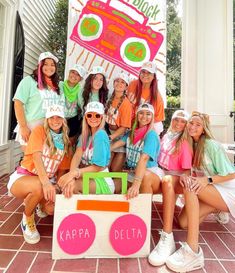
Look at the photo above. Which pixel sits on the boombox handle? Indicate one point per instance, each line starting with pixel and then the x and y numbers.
pixel 90 175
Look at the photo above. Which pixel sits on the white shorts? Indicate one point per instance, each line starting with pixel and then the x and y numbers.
pixel 156 170
pixel 31 125
pixel 14 176
pixel 227 191
pixel 12 179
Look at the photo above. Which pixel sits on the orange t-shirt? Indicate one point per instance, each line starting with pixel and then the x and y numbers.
pixel 51 163
pixel 122 118
pixel 159 114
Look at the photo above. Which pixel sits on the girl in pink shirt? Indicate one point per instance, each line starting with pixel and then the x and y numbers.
pixel 175 159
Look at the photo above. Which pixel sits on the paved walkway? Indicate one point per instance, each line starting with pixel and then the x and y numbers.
pixel 217 241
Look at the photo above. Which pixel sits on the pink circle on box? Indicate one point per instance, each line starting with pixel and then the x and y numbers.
pixel 128 234
pixel 76 233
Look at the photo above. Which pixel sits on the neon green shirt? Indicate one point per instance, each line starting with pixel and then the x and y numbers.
pixel 36 101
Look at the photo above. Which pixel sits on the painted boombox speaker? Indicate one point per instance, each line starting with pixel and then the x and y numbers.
pixel 107 226
pixel 117 32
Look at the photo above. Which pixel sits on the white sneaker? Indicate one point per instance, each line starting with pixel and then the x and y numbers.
pixel 185 259
pixel 39 212
pixel 222 217
pixel 164 248
pixel 30 233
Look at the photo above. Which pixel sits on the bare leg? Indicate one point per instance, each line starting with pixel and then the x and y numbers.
pixel 28 188
pixel 196 208
pixel 169 184
pixel 117 162
pixel 79 187
pixel 118 185
pixel 150 183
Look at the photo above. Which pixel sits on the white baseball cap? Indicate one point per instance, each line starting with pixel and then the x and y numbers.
pixel 146 106
pixel 80 69
pixel 98 70
pixel 47 55
pixel 181 114
pixel 122 76
pixel 55 110
pixel 95 107
pixel 150 67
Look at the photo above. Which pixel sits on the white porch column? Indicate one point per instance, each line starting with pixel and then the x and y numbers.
pixel 207 62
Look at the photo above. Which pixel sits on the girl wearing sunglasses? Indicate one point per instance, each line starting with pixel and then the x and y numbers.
pixel 142 150
pixel 118 118
pixel 92 155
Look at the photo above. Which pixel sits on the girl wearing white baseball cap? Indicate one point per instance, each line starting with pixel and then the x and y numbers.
pixel 145 89
pixel 71 89
pixel 44 160
pixel 95 88
pixel 175 159
pixel 118 118
pixel 92 155
pixel 142 150
pixel 34 94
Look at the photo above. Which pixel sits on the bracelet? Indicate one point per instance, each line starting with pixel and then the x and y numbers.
pixel 138 178
pixel 78 175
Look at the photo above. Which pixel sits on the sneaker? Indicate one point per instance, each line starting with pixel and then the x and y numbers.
pixel 29 230
pixel 185 259
pixel 222 217
pixel 39 212
pixel 164 248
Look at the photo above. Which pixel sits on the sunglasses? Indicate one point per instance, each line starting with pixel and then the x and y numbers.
pixel 93 115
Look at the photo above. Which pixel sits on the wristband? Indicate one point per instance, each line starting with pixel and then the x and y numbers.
pixel 210 180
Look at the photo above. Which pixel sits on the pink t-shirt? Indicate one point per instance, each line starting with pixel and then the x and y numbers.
pixel 175 161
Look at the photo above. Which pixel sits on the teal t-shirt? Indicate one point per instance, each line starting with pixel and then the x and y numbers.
pixel 94 96
pixel 150 146
pixel 216 161
pixel 71 108
pixel 97 152
pixel 36 101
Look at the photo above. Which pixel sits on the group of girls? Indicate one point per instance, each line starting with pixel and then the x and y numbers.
pixel 122 128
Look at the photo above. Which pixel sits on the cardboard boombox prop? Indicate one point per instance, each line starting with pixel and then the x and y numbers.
pixel 107 226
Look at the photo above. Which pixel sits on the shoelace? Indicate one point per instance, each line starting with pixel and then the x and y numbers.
pixel 162 241
pixel 182 251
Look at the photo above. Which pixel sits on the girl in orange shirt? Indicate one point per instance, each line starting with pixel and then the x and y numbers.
pixel 35 180
pixel 118 118
pixel 145 89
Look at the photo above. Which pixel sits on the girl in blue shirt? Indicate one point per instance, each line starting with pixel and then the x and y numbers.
pixel 142 149
pixel 92 155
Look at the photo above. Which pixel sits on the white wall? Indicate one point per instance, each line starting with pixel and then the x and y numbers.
pixel 207 62
pixel 35 17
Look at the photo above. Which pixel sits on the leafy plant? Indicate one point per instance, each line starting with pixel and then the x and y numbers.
pixel 57 35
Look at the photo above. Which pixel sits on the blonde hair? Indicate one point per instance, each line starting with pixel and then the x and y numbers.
pixel 136 125
pixel 49 140
pixel 184 135
pixel 199 148
pixel 86 131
